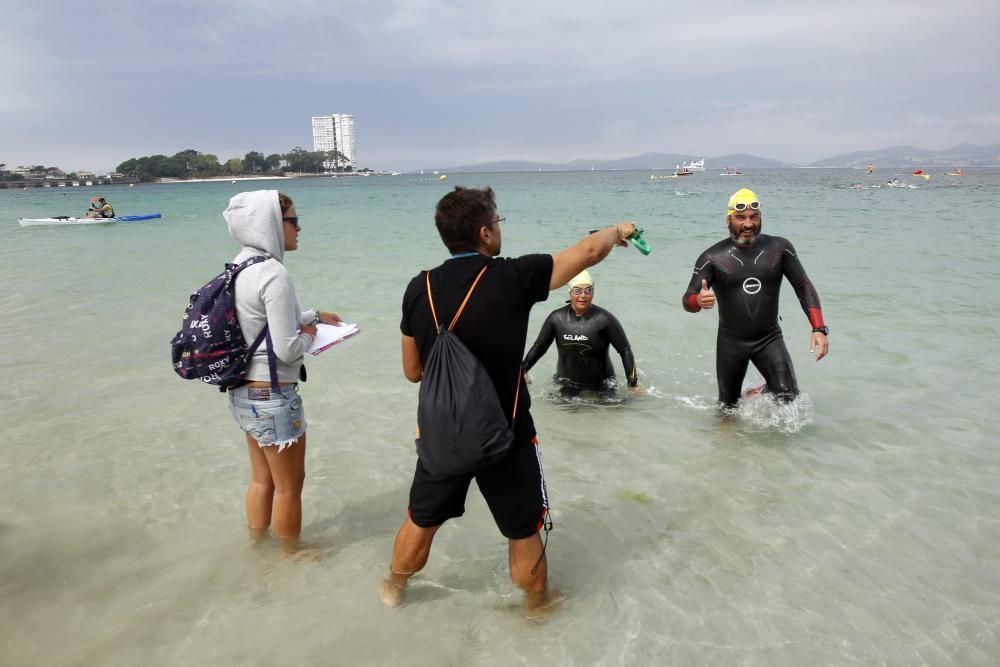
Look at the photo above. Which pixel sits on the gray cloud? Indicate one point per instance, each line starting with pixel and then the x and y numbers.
pixel 445 82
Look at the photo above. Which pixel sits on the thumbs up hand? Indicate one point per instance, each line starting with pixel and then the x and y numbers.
pixel 706 297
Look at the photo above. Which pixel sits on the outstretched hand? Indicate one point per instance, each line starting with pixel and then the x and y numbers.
pixel 626 230
pixel 706 297
pixel 819 342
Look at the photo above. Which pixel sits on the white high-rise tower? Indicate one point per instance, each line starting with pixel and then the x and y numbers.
pixel 335 133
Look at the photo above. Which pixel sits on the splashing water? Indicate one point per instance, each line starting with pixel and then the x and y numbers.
pixel 766 412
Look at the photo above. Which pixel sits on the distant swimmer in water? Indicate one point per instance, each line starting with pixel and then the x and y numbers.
pixel 747 269
pixel 583 333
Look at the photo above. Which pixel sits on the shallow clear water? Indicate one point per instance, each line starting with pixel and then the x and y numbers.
pixel 861 527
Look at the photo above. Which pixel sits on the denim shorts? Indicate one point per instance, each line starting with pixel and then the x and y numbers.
pixel 271 417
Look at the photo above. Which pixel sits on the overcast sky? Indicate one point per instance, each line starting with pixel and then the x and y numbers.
pixel 436 84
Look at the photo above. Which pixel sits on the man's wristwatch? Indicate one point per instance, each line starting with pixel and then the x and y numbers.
pixel 825 330
pixel 316 318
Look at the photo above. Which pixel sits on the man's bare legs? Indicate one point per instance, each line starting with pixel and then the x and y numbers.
pixel 409 555
pixel 523 555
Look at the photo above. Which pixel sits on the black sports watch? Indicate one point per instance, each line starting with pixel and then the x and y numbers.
pixel 825 330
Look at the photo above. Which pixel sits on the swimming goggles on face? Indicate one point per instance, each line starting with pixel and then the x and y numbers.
pixel 577 291
pixel 742 206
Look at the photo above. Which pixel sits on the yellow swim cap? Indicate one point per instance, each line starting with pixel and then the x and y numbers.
pixel 743 196
pixel 581 279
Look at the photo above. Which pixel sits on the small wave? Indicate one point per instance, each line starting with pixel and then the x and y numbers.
pixel 612 394
pixel 696 402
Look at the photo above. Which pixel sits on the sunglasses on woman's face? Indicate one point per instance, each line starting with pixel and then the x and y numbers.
pixel 742 206
pixel 293 220
pixel 577 291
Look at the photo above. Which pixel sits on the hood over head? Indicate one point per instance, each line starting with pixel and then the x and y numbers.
pixel 254 220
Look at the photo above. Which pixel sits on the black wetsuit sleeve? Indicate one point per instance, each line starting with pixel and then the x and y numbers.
pixel 703 270
pixel 542 343
pixel 616 334
pixel 804 290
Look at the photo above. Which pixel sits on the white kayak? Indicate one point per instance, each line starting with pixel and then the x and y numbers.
pixel 66 220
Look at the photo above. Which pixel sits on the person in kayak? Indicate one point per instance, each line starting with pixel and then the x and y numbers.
pixel 747 269
pixel 583 333
pixel 101 209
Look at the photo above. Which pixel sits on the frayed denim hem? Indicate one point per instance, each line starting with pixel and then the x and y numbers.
pixel 280 445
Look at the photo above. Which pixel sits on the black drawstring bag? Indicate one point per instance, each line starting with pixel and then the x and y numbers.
pixel 462 426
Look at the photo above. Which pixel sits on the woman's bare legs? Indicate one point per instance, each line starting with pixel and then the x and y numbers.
pixel 288 471
pixel 260 494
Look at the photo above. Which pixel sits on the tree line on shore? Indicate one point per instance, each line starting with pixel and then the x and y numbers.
pixel 194 164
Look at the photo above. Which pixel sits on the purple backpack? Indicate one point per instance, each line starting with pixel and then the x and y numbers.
pixel 210 345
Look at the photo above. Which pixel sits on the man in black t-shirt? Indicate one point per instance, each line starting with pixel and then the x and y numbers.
pixel 493 326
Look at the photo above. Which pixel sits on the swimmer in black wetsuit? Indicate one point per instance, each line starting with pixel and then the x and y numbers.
pixel 747 270
pixel 583 333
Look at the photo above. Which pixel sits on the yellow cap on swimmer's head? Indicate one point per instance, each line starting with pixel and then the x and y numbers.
pixel 581 279
pixel 743 199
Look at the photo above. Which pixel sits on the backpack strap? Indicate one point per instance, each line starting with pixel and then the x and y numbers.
pixel 517 394
pixel 454 320
pixel 437 327
pixel 265 334
pixel 475 282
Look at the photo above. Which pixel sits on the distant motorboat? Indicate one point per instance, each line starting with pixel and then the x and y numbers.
pixel 694 165
pixel 956 172
pixel 731 172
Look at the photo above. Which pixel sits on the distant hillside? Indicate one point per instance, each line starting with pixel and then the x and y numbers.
pixel 963 155
pixel 644 161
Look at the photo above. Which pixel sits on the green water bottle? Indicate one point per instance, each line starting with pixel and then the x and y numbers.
pixel 640 243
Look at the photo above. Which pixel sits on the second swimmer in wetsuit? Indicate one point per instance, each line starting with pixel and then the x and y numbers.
pixel 584 334
pixel 746 270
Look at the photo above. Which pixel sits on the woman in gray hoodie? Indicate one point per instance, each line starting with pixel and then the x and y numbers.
pixel 266 223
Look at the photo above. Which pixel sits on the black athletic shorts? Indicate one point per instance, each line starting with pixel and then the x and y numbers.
pixel 514 489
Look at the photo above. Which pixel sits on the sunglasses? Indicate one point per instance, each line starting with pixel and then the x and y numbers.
pixel 577 291
pixel 293 220
pixel 742 206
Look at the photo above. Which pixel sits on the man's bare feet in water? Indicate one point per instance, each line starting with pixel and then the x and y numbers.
pixel 392 588
pixel 538 606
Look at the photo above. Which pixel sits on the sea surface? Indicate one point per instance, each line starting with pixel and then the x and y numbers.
pixel 858 526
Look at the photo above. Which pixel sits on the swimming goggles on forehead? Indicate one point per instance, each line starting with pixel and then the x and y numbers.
pixel 742 206
pixel 577 291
